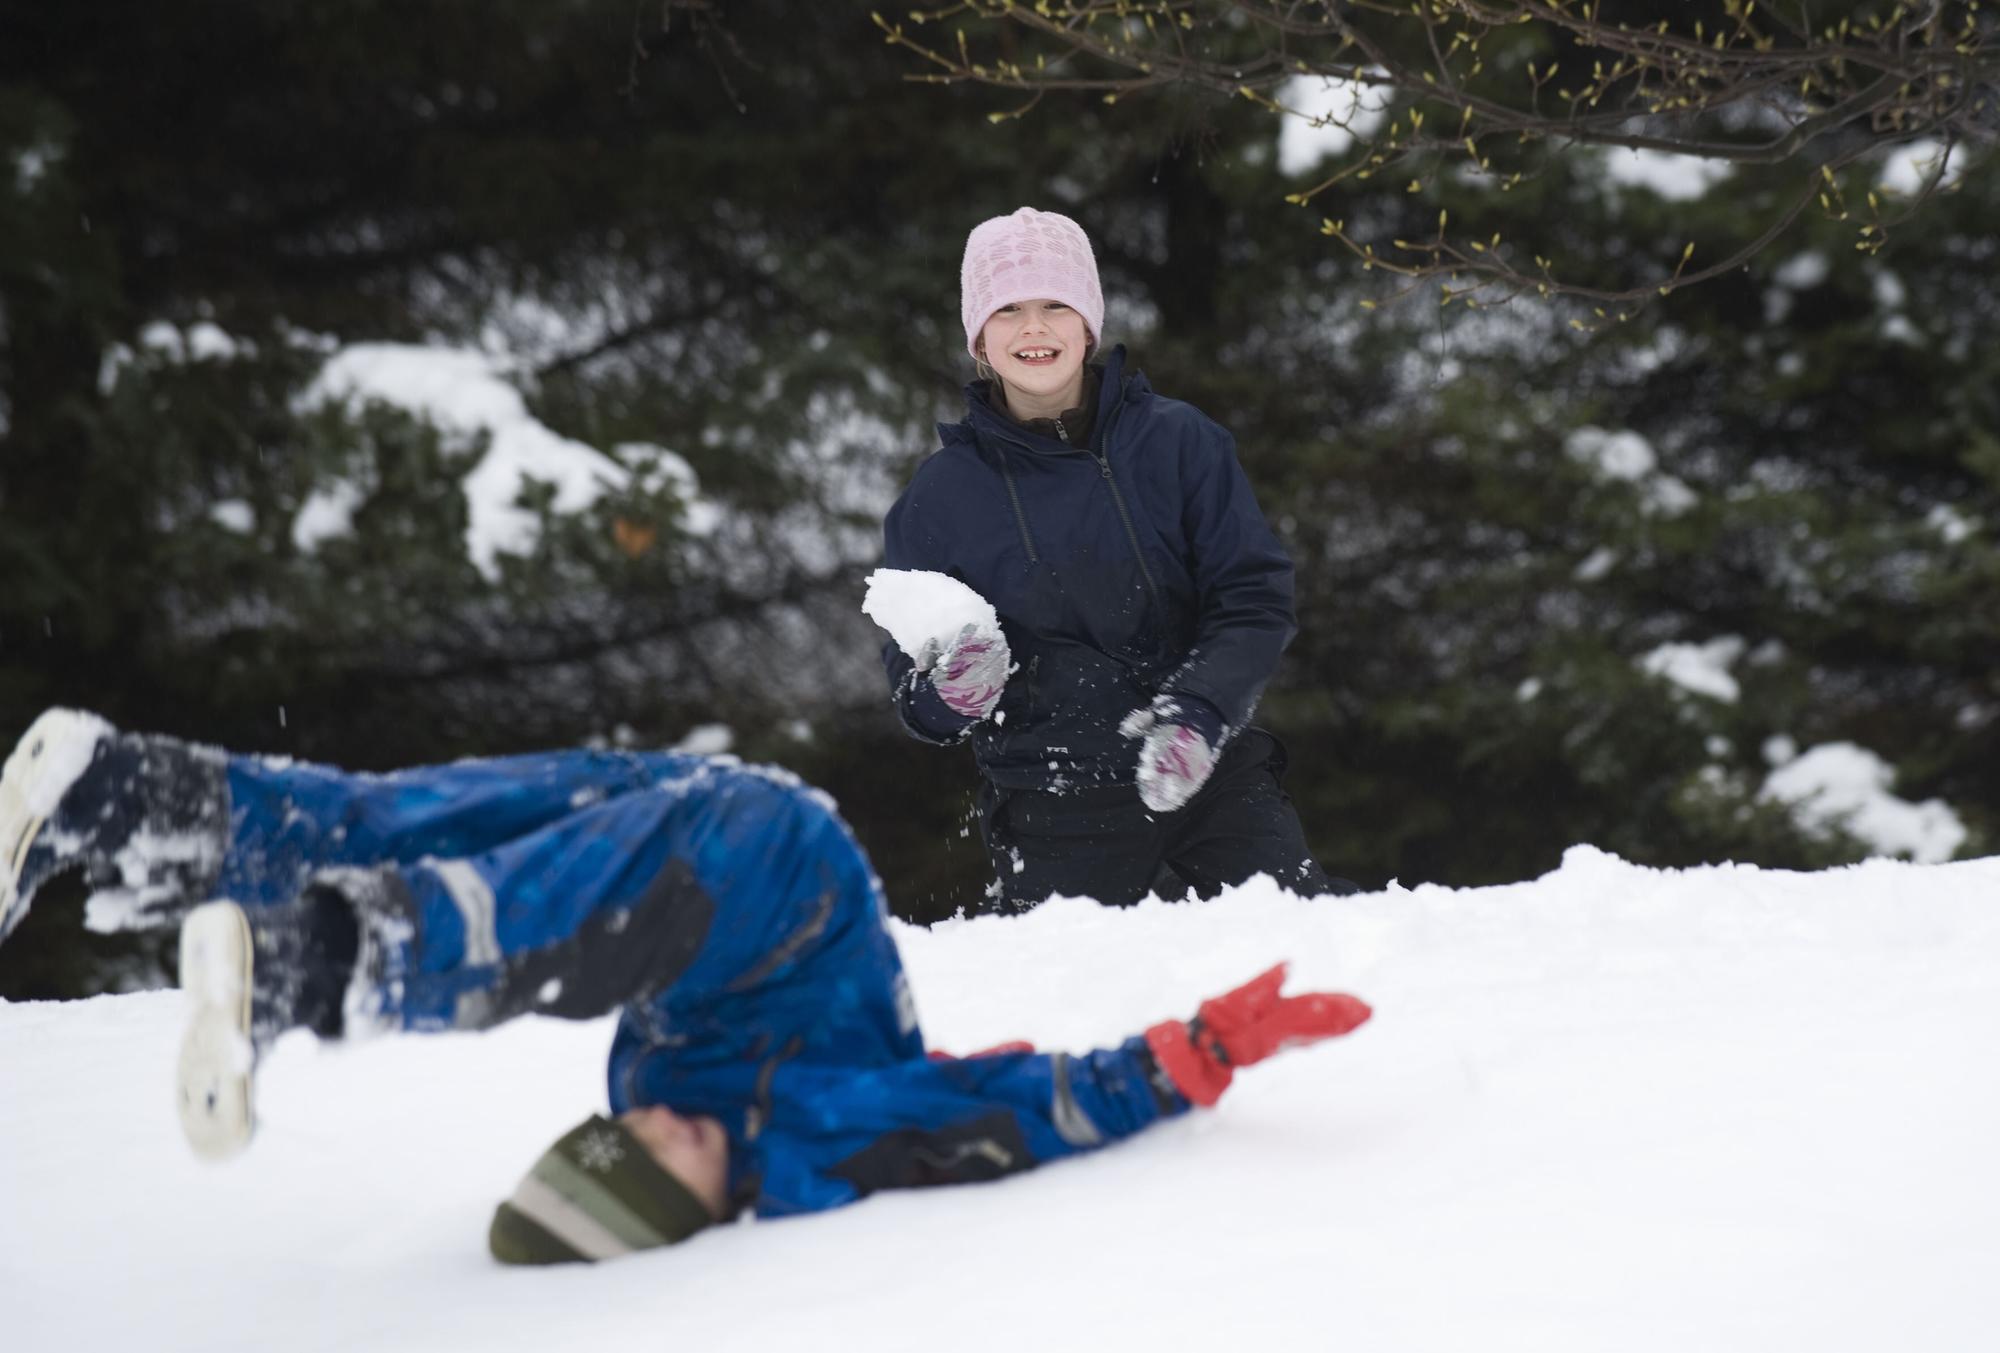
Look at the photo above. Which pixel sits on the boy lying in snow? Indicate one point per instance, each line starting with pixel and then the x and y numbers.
pixel 767 1055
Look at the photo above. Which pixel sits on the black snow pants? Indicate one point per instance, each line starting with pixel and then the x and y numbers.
pixel 1103 843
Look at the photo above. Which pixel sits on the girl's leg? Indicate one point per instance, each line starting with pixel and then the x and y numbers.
pixel 1099 842
pixel 289 819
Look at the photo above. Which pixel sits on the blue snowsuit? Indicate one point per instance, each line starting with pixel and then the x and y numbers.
pixel 727 911
pixel 1134 566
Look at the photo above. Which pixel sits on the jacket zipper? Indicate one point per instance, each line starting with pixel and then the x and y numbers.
pixel 1020 517
pixel 1131 535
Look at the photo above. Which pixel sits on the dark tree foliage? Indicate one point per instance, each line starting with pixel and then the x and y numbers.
pixel 1823 500
pixel 733 230
pixel 1487 87
pixel 729 234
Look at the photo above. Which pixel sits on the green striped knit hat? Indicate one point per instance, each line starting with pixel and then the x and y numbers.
pixel 596 1194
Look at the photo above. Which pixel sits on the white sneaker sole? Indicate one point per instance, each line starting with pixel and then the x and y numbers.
pixel 217 1057
pixel 47 760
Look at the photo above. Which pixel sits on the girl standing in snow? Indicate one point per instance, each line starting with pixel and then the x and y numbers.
pixel 1143 601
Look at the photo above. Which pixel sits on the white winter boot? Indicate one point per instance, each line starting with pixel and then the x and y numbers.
pixel 217 1055
pixel 250 974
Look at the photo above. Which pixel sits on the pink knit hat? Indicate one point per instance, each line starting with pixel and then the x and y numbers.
pixel 1029 256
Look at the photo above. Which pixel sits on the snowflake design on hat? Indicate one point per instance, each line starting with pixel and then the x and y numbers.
pixel 599 1151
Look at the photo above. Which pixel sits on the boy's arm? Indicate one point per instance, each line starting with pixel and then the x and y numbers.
pixel 964 1120
pixel 836 1135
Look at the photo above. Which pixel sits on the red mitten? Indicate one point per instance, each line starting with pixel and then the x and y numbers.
pixel 1247 1025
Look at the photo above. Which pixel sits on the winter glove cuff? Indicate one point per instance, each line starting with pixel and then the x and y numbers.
pixel 1190 1060
pixel 1200 715
pixel 927 709
pixel 1243 1027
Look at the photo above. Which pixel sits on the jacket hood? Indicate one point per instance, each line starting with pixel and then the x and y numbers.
pixel 1115 388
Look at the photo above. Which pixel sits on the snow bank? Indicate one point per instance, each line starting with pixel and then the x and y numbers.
pixel 1612 1108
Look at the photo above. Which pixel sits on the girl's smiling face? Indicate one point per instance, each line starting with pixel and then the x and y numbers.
pixel 1037 349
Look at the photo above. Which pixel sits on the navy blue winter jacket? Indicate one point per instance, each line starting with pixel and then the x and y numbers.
pixel 1137 565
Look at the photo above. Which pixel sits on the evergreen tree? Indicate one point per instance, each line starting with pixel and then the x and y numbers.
pixel 731 244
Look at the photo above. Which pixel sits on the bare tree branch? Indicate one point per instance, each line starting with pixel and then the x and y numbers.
pixel 1818 87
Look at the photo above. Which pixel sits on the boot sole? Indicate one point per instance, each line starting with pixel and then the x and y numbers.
pixel 217 1056
pixel 47 760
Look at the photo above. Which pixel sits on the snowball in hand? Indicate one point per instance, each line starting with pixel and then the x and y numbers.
pixel 921 609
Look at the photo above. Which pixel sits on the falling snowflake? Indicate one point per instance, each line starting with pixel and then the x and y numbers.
pixel 600 1151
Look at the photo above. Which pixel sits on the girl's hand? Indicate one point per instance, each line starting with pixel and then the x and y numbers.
pixel 970 674
pixel 1174 760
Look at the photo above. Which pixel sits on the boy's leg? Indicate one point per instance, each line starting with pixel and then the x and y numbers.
pixel 802 966
pixel 1243 823
pixel 591 911
pixel 160 823
pixel 248 981
pixel 290 819
pixel 146 818
pixel 574 920
pixel 727 912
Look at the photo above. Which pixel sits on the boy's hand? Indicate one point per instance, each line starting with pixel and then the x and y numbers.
pixel 1245 1026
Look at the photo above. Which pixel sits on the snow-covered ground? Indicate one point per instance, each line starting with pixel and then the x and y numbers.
pixel 1609 1109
